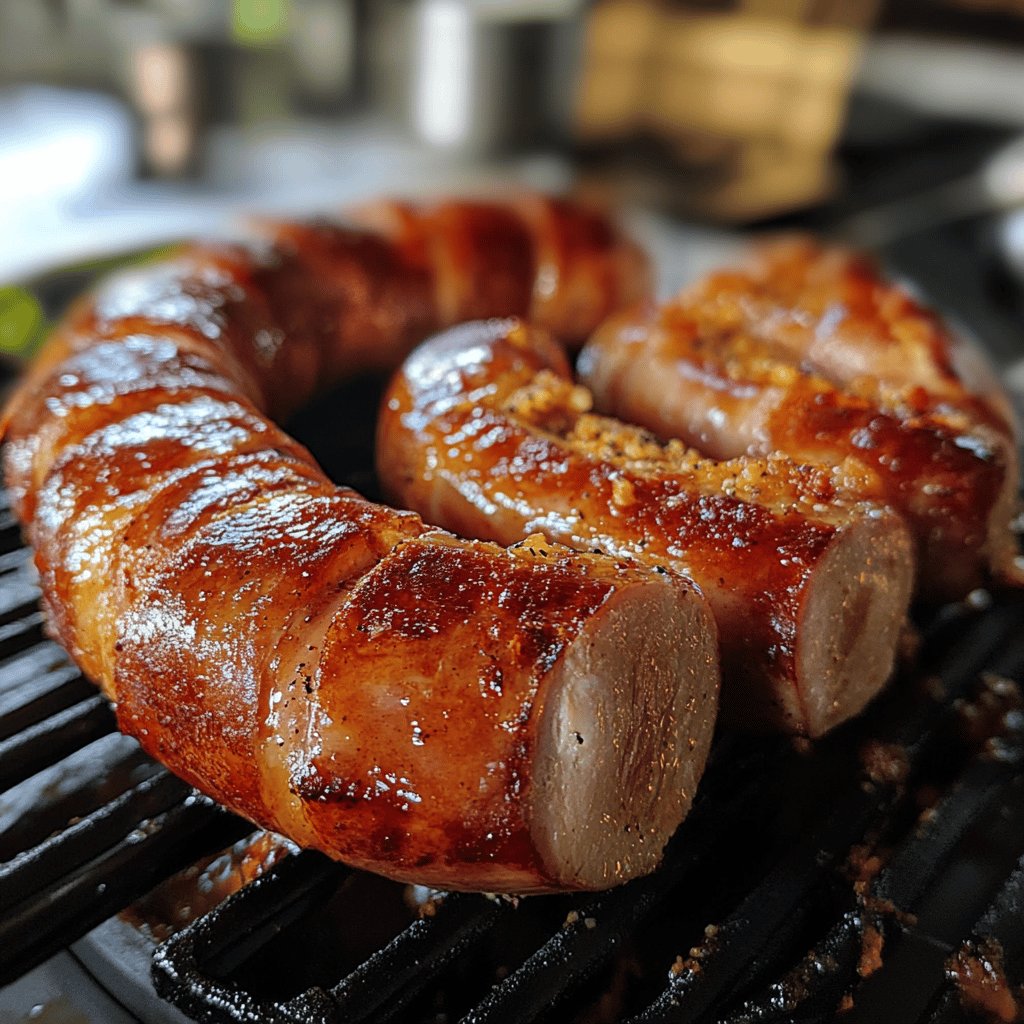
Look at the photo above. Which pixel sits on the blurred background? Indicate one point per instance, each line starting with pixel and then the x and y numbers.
pixel 126 122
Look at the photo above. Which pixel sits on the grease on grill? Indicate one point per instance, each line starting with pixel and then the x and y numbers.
pixel 978 971
pixel 884 764
pixel 692 964
pixel 872 944
pixel 188 895
pixel 863 863
pixel 995 712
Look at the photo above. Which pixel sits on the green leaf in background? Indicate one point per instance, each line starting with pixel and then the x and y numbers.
pixel 122 260
pixel 22 323
pixel 259 22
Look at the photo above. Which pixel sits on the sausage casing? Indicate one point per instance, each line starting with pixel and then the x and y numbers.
pixel 811 353
pixel 438 710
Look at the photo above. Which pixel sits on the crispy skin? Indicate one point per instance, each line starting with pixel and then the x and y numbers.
pixel 810 353
pixel 585 272
pixel 484 431
pixel 331 668
pixel 560 264
pixel 829 307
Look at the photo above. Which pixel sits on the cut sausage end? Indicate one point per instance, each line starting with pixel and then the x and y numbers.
pixel 853 612
pixel 624 736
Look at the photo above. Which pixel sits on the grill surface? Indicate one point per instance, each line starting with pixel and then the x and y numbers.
pixel 868 864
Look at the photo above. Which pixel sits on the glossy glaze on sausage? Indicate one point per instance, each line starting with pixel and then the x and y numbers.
pixel 563 266
pixel 812 354
pixel 438 710
pixel 483 430
pixel 831 308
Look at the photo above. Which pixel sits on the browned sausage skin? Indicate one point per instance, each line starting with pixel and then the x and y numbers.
pixel 778 358
pixel 561 264
pixel 830 308
pixel 483 430
pixel 437 710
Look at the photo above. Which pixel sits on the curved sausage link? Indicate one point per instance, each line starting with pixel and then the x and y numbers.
pixel 562 265
pixel 484 431
pixel 724 367
pixel 438 710
pixel 830 308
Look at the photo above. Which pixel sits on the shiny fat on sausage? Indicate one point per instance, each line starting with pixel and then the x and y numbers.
pixel 483 430
pixel 438 710
pixel 830 308
pixel 562 265
pixel 747 363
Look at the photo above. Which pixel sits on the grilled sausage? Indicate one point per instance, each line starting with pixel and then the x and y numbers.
pixel 748 363
pixel 484 431
pixel 434 709
pixel 830 308
pixel 561 264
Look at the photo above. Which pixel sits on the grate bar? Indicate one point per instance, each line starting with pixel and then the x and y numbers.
pixel 820 980
pixel 20 592
pixel 812 990
pixel 31 750
pixel 10 532
pixel 186 966
pixel 264 907
pixel 43 866
pixel 918 861
pixel 385 982
pixel 55 916
pixel 1002 924
pixel 582 946
pixel 55 690
pixel 13 561
pixel 760 930
pixel 23 668
pixel 72 788
pixel 995 636
pixel 21 634
pixel 1004 919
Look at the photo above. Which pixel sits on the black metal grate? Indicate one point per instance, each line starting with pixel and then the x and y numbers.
pixel 757 915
